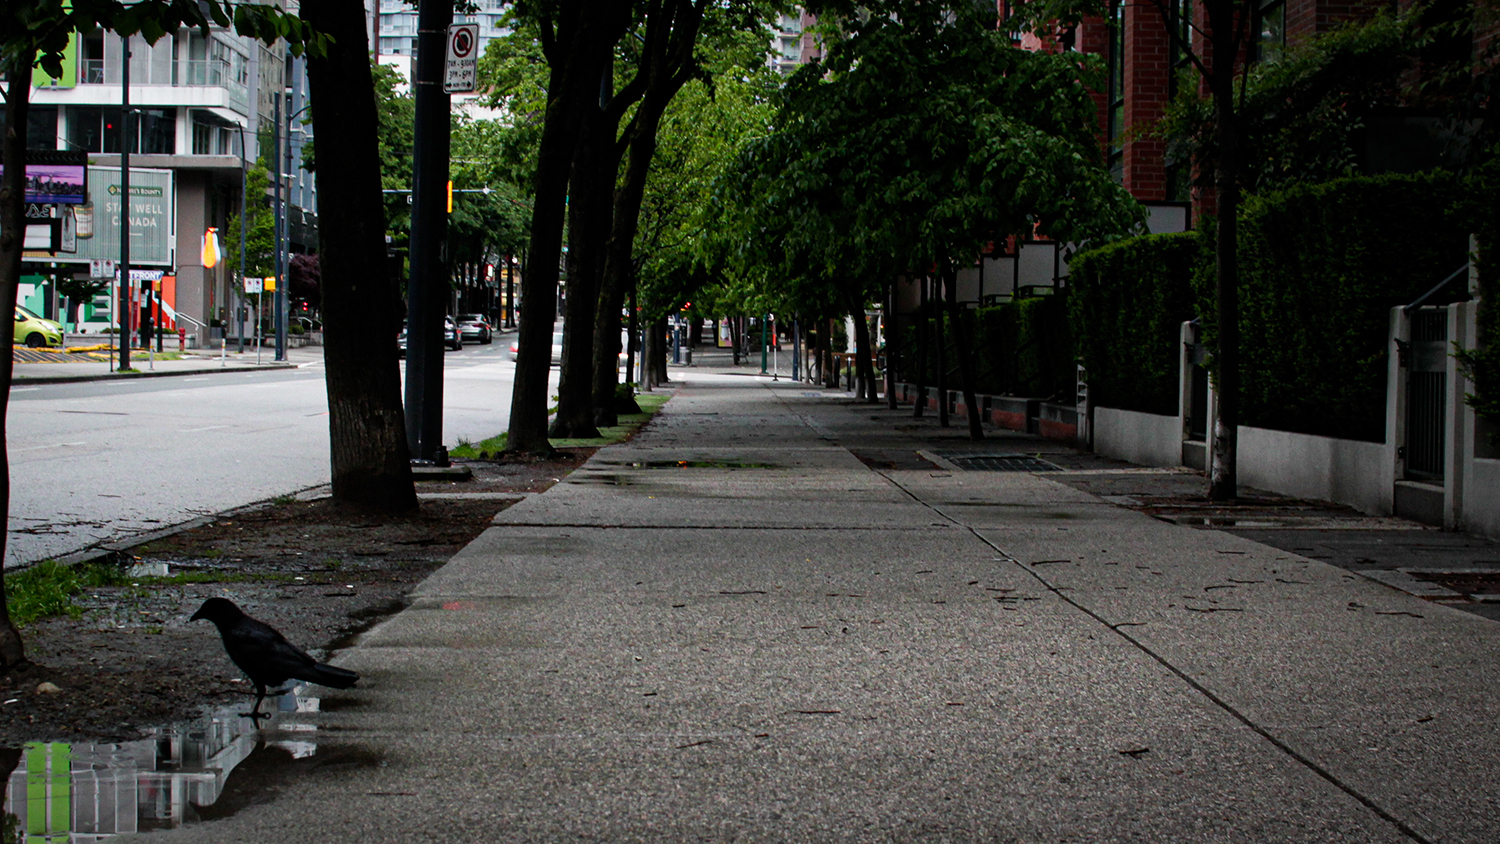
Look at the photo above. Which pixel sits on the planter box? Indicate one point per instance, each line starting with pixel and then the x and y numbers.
pixel 1058 422
pixel 1014 413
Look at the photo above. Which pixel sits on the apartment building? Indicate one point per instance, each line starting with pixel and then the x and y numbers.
pixel 199 100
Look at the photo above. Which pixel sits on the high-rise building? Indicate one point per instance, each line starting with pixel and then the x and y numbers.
pixel 792 42
pixel 397 29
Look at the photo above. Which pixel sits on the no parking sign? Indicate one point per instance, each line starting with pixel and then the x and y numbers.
pixel 462 75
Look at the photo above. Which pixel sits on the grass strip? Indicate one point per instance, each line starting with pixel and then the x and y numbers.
pixel 46 589
pixel 650 404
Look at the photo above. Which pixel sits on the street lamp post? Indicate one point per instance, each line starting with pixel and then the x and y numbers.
pixel 124 305
pixel 281 162
pixel 239 321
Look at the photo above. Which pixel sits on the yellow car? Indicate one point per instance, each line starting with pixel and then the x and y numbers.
pixel 33 331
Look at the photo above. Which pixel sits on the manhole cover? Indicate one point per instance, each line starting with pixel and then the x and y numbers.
pixel 1001 463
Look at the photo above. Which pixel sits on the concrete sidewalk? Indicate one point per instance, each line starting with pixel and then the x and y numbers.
pixel 735 629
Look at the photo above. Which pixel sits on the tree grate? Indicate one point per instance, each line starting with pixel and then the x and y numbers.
pixel 1001 463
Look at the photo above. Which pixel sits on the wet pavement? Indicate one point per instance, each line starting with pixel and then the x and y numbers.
pixel 180 774
pixel 780 615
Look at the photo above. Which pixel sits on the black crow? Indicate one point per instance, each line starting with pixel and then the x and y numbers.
pixel 265 656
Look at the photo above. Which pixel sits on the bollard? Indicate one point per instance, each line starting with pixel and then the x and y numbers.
pixel 182 339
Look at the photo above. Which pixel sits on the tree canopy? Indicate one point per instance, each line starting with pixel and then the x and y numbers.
pixel 919 137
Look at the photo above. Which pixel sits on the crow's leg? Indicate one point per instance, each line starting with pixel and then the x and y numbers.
pixel 255 714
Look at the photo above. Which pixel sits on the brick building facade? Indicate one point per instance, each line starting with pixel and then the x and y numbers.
pixel 1145 67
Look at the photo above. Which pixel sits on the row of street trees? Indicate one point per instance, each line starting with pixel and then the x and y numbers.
pixel 920 137
pixel 612 72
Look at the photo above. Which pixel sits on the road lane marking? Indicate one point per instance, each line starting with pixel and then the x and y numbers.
pixel 41 447
pixel 208 428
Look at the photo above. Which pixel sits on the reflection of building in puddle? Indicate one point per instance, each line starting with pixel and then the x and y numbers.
pixel 77 793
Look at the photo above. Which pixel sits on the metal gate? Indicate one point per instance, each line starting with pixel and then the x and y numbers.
pixel 1427 394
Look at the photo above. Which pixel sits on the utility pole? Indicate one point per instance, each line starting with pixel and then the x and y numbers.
pixel 427 286
pixel 237 296
pixel 124 316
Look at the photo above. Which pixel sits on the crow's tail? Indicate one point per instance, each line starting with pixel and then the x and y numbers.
pixel 328 675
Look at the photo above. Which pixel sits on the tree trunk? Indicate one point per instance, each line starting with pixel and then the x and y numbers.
pixel 864 365
pixel 648 355
pixel 589 192
pixel 361 306
pixel 965 360
pixel 920 405
pixel 942 356
pixel 658 333
pixel 575 57
pixel 1223 479
pixel 618 269
pixel 892 347
pixel 12 237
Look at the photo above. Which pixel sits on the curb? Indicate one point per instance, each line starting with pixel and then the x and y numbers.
pixel 112 549
pixel 118 376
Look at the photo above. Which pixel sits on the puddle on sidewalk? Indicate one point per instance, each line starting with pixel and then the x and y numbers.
pixel 695 464
pixel 1228 521
pixel 65 793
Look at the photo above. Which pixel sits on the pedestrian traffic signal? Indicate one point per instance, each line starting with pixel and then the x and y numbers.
pixel 210 248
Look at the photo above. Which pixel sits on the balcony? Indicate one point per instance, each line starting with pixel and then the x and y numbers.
pixel 185 73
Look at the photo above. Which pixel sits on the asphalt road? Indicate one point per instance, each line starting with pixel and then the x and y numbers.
pixel 101 460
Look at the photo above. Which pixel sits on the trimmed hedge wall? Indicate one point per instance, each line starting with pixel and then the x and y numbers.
pixel 1025 348
pixel 1321 266
pixel 1021 348
pixel 1127 303
pixel 1483 364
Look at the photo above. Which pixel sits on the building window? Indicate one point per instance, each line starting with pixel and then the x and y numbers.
pixel 1270 26
pixel 41 127
pixel 1116 92
pixel 97 129
pixel 211 137
pixel 156 130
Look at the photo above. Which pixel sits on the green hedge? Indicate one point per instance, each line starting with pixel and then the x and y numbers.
pixel 1320 268
pixel 1483 364
pixel 1021 348
pixel 1128 301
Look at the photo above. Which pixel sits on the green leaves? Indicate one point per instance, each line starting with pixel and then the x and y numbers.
pixel 39 30
pixel 922 135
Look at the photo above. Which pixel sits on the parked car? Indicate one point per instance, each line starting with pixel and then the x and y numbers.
pixel 476 327
pixel 451 338
pixel 557 338
pixel 36 332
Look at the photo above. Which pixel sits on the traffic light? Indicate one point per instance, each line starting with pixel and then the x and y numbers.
pixel 450 196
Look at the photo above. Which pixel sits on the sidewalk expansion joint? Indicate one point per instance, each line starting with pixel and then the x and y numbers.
pixel 821 528
pixel 1119 630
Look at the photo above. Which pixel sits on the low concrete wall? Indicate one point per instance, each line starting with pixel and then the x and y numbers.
pixel 1481 513
pixel 1058 422
pixel 1012 412
pixel 1145 438
pixel 1346 471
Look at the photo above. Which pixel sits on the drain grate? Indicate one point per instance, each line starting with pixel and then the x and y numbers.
pixel 1001 463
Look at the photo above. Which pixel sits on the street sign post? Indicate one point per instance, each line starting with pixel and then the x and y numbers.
pixel 461 73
